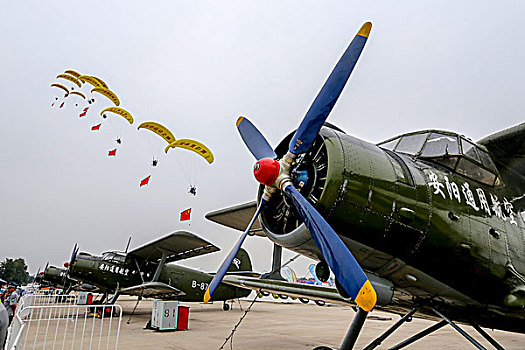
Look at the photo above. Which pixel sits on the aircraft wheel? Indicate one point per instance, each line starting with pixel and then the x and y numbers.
pixel 265 294
pixel 319 302
pixel 282 296
pixel 225 307
pixel 304 300
pixel 323 348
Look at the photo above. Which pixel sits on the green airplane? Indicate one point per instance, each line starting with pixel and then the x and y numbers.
pixel 145 271
pixel 432 220
pixel 59 277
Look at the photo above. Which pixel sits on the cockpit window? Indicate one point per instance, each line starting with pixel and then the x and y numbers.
pixel 113 257
pixel 440 145
pixel 411 144
pixel 469 149
pixel 472 170
pixel 486 160
pixel 448 149
pixel 390 145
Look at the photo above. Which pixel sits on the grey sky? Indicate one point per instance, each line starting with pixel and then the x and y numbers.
pixel 195 66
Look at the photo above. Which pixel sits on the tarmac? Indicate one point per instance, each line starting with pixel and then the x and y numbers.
pixel 287 325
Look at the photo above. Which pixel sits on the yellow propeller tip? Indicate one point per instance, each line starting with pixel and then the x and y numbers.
pixel 367 297
pixel 365 29
pixel 239 120
pixel 207 296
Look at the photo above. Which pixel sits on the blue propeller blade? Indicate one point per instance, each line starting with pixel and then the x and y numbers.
pixel 327 97
pixel 343 264
pixel 73 255
pixel 255 141
pixel 229 259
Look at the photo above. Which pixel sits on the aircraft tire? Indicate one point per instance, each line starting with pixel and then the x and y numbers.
pixel 319 302
pixel 304 300
pixel 225 307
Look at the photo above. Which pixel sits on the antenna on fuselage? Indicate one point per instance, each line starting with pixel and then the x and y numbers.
pixel 127 246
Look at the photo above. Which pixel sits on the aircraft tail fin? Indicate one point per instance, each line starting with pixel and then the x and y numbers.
pixel 241 262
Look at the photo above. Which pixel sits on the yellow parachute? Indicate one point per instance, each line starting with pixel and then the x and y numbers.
pixel 89 79
pixel 194 146
pixel 120 111
pixel 107 93
pixel 78 93
pixel 70 78
pixel 101 82
pixel 159 130
pixel 73 73
pixel 61 87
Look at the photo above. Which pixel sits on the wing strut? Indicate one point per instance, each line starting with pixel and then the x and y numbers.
pixel 162 262
pixel 354 330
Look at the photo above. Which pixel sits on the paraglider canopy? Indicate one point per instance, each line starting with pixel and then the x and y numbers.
pixel 60 86
pixel 158 129
pixel 107 93
pixel 70 78
pixel 119 111
pixel 194 146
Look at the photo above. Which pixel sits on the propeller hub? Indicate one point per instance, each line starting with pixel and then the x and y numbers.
pixel 266 171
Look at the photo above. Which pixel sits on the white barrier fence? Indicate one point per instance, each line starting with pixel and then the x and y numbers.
pixel 45 300
pixel 64 325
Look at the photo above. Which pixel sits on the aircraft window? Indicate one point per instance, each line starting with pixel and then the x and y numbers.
pixel 469 149
pixel 411 144
pixel 440 145
pixel 107 256
pixel 475 172
pixel 119 258
pixel 486 160
pixel 390 144
pixel 449 162
pixel 401 169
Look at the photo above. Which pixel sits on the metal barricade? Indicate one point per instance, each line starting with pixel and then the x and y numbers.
pixel 66 327
pixel 45 300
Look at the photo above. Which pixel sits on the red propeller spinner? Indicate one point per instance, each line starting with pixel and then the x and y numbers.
pixel 266 171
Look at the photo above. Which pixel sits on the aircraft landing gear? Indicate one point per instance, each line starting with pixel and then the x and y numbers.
pixel 225 306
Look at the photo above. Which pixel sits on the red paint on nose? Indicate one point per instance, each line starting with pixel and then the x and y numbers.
pixel 66 264
pixel 266 171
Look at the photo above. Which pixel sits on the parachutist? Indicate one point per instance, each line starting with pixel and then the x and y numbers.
pixel 154 162
pixel 193 190
pixel 56 98
pixel 119 141
pixel 104 116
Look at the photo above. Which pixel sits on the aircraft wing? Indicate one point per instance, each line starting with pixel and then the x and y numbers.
pixel 237 217
pixel 179 245
pixel 507 149
pixel 153 290
pixel 298 290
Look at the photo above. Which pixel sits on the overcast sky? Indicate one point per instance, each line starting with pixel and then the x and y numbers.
pixel 195 66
